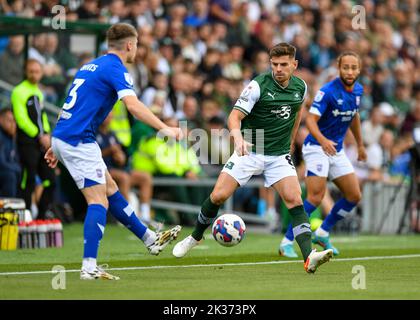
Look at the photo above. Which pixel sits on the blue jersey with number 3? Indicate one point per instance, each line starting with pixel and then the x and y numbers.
pixel 336 107
pixel 96 88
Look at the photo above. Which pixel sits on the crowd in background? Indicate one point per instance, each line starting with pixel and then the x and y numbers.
pixel 194 58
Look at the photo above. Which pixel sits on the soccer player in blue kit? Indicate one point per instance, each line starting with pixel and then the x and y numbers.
pixel 96 87
pixel 334 110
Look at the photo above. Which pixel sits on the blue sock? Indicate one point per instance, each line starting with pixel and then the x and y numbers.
pixel 93 229
pixel 123 212
pixel 341 208
pixel 261 207
pixel 309 208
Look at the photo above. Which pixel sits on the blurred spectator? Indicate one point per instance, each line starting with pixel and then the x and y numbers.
pixel 189 112
pixel 139 15
pixel 199 14
pixel 210 64
pixel 33 137
pixel 221 11
pixel 379 157
pixel 180 87
pixel 373 127
pixel 391 120
pixel 260 63
pixel 9 162
pixel 116 11
pixel 13 58
pixel 401 99
pixel 261 40
pixel 43 49
pixel 88 10
pixel 412 120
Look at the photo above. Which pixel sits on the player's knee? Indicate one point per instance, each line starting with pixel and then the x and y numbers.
pixel 354 197
pixel 315 198
pixel 111 187
pixel 292 200
pixel 218 197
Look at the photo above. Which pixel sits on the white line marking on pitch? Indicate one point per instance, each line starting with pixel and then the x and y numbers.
pixel 407 256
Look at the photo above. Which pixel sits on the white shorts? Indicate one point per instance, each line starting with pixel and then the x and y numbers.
pixel 322 165
pixel 274 168
pixel 84 162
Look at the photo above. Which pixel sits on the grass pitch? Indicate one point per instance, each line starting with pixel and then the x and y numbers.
pixel 252 270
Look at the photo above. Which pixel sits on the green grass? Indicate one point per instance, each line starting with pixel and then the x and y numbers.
pixel 385 278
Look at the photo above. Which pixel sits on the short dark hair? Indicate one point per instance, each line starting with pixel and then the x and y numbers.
pixel 118 32
pixel 283 49
pixel 349 53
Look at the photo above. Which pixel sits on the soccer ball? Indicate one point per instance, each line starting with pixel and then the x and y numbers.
pixel 228 230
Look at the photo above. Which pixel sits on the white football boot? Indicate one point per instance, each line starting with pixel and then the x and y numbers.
pixel 182 247
pixel 315 259
pixel 97 273
pixel 163 238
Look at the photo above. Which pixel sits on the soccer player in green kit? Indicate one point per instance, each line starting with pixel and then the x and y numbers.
pixel 263 124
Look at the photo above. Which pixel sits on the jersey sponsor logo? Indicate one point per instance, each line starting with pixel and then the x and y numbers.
pixel 320 94
pixel 282 112
pixel 347 115
pixel 128 78
pixel 271 94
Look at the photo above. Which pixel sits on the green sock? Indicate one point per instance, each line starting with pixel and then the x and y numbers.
pixel 301 230
pixel 208 212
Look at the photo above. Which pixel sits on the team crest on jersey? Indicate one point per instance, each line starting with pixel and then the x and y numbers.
pixel 357 100
pixel 319 167
pixel 99 173
pixel 128 78
pixel 319 96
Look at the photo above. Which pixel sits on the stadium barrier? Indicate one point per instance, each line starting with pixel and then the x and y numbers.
pixel 383 208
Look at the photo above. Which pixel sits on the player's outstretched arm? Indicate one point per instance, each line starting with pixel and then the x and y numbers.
pixel 327 145
pixel 234 125
pixel 143 113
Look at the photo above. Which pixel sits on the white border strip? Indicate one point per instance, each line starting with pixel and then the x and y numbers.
pixel 408 256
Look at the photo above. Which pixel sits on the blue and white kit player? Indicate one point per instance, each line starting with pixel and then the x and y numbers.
pixel 96 87
pixel 333 111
